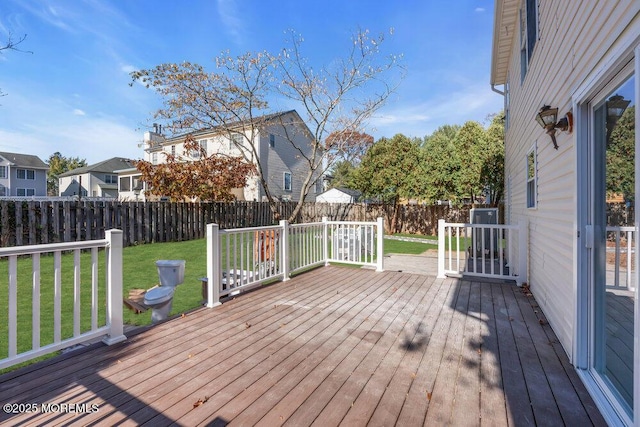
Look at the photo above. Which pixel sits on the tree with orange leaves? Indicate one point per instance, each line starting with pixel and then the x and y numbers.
pixel 211 178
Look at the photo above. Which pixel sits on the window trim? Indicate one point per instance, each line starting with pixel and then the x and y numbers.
pixel 272 140
pixel 284 181
pixel 26 192
pixel 529 33
pixel 531 191
pixel 26 174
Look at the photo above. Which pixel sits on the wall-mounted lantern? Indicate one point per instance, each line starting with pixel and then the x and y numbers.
pixel 547 117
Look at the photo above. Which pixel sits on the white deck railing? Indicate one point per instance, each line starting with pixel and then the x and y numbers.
pixel 621 270
pixel 241 258
pixel 46 277
pixel 483 250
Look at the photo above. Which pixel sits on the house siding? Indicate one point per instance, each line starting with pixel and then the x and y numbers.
pixel 574 38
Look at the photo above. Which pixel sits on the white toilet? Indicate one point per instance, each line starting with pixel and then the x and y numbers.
pixel 160 299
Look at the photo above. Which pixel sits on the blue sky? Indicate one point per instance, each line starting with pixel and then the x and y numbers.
pixel 72 93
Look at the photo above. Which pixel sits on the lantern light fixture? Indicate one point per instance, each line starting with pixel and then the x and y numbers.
pixel 547 117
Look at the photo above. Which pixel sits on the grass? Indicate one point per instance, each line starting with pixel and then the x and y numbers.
pixel 409 248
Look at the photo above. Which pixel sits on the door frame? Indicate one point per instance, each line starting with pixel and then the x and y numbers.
pixel 609 73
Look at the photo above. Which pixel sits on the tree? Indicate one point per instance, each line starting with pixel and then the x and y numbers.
pixel 492 169
pixel 12 44
pixel 59 164
pixel 620 157
pixel 348 145
pixel 471 145
pixel 233 98
pixel 440 165
pixel 383 172
pixel 342 175
pixel 209 179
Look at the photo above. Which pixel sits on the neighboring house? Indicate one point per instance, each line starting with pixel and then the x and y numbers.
pixel 282 164
pixel 339 195
pixel 22 175
pixel 97 180
pixel 584 59
pixel 130 187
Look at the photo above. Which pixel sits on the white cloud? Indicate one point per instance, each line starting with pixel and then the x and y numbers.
pixel 230 17
pixel 480 9
pixel 78 112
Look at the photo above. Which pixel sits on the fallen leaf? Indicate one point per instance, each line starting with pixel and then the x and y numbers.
pixel 183 315
pixel 542 322
pixel 247 325
pixel 200 402
pixel 429 396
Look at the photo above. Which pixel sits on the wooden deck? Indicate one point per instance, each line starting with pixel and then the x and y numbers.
pixel 331 346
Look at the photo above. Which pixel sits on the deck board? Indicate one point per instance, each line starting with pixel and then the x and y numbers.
pixel 328 347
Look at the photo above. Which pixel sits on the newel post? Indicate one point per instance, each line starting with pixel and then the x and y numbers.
pixel 284 244
pixel 380 245
pixel 214 272
pixel 441 235
pixel 114 288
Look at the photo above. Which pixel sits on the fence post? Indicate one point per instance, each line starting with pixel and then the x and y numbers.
pixel 441 253
pixel 380 245
pixel 325 240
pixel 523 247
pixel 214 273
pixel 114 288
pixel 284 243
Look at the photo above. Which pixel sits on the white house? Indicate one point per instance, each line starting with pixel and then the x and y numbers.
pixel 22 175
pixel 339 195
pixel 96 180
pixel 281 140
pixel 583 58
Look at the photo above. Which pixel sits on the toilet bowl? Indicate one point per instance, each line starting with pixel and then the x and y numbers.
pixel 160 299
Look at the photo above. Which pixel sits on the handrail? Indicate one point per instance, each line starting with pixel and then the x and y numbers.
pixel 110 328
pixel 241 258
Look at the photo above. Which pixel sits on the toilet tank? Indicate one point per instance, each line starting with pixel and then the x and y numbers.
pixel 171 272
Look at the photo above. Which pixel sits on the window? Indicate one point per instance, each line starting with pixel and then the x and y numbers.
pixel 125 183
pixel 25 192
pixel 110 179
pixel 528 33
pixel 3 172
pixel 532 178
pixel 154 159
pixel 196 154
pixel 3 190
pixel 236 140
pixel 287 181
pixel 272 140
pixel 26 174
pixel 173 150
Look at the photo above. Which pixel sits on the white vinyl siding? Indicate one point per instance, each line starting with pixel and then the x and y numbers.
pixel 552 77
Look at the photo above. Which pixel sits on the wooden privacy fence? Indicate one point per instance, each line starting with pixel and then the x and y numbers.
pixel 54 221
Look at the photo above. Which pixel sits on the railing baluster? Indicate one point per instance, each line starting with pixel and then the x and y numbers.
pixel 35 302
pixel 94 289
pixel 57 296
pixel 13 305
pixel 76 292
